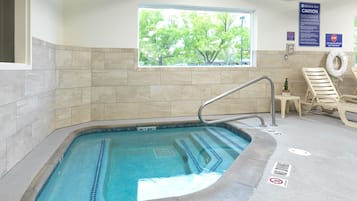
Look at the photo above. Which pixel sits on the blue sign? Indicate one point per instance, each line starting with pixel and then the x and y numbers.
pixel 333 40
pixel 309 24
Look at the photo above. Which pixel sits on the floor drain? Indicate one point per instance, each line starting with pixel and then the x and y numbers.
pixel 299 152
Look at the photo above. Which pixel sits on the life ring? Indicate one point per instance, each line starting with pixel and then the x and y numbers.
pixel 330 63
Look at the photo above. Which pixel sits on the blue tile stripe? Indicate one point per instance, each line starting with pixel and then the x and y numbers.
pixel 229 140
pixel 93 193
pixel 216 155
pixel 190 155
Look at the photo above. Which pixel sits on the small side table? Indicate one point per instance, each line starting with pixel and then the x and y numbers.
pixel 284 99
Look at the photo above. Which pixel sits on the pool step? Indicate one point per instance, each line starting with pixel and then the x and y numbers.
pixel 207 152
pixel 234 143
pixel 215 158
pixel 189 151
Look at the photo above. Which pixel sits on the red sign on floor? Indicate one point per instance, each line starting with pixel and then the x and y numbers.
pixel 278 181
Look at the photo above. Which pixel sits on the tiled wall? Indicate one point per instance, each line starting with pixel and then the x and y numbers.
pixel 27 106
pixel 121 90
pixel 71 85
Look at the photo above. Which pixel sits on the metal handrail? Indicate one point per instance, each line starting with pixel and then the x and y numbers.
pixel 272 90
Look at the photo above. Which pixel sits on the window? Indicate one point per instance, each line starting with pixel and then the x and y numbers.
pixel 187 37
pixel 15 34
pixel 7 30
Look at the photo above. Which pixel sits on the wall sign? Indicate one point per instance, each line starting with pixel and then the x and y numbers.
pixel 309 24
pixel 290 35
pixel 333 40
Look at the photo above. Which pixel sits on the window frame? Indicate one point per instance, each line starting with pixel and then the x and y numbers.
pixel 252 34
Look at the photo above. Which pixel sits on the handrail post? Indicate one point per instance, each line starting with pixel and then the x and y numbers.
pixel 272 93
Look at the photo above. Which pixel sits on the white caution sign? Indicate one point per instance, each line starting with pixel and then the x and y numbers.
pixel 278 181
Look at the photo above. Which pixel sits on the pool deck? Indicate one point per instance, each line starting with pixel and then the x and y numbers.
pixel 327 175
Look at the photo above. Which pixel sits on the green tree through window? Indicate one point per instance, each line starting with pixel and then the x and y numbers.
pixel 172 37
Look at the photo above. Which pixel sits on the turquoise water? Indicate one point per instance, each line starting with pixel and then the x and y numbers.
pixel 121 165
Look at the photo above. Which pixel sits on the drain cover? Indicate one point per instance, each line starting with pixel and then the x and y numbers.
pixel 299 152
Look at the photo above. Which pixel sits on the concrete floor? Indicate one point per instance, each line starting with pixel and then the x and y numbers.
pixel 329 174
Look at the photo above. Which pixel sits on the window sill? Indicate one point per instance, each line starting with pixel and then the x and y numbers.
pixel 14 66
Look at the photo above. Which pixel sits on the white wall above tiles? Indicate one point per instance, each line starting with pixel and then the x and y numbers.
pixel 46 20
pixel 108 23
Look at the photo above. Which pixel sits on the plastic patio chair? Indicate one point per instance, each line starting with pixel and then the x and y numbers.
pixel 322 93
pixel 354 72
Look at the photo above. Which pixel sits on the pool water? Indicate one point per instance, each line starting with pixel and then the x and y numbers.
pixel 135 165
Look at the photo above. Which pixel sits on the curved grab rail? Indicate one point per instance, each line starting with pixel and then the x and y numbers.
pixel 272 90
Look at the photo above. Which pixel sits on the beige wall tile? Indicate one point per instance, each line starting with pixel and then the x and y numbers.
pixel 234 77
pixel 238 106
pixel 121 111
pixel 26 111
pixel 176 77
pixel 97 112
pixel 81 59
pixel 119 60
pixel 222 88
pixel 258 90
pixel 43 55
pixel 133 93
pixel 206 77
pixel 73 78
pixel 63 117
pixel 68 97
pixel 185 108
pixel 2 157
pixel 49 80
pixel 104 95
pixel 143 78
pixel 196 92
pixel 165 93
pixel 11 86
pixel 154 109
pixel 8 120
pixel 42 127
pixel 264 105
pixel 98 59
pixel 34 82
pixel 80 114
pixel 86 95
pixel 109 78
pixel 63 58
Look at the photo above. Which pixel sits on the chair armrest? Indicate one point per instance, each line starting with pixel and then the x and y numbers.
pixel 349 98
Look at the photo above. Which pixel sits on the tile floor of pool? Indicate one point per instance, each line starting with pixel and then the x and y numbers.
pixel 327 175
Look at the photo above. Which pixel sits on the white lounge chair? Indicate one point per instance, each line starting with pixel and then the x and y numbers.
pixel 321 92
pixel 354 72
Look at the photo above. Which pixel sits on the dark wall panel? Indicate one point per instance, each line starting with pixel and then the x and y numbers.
pixel 7 21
